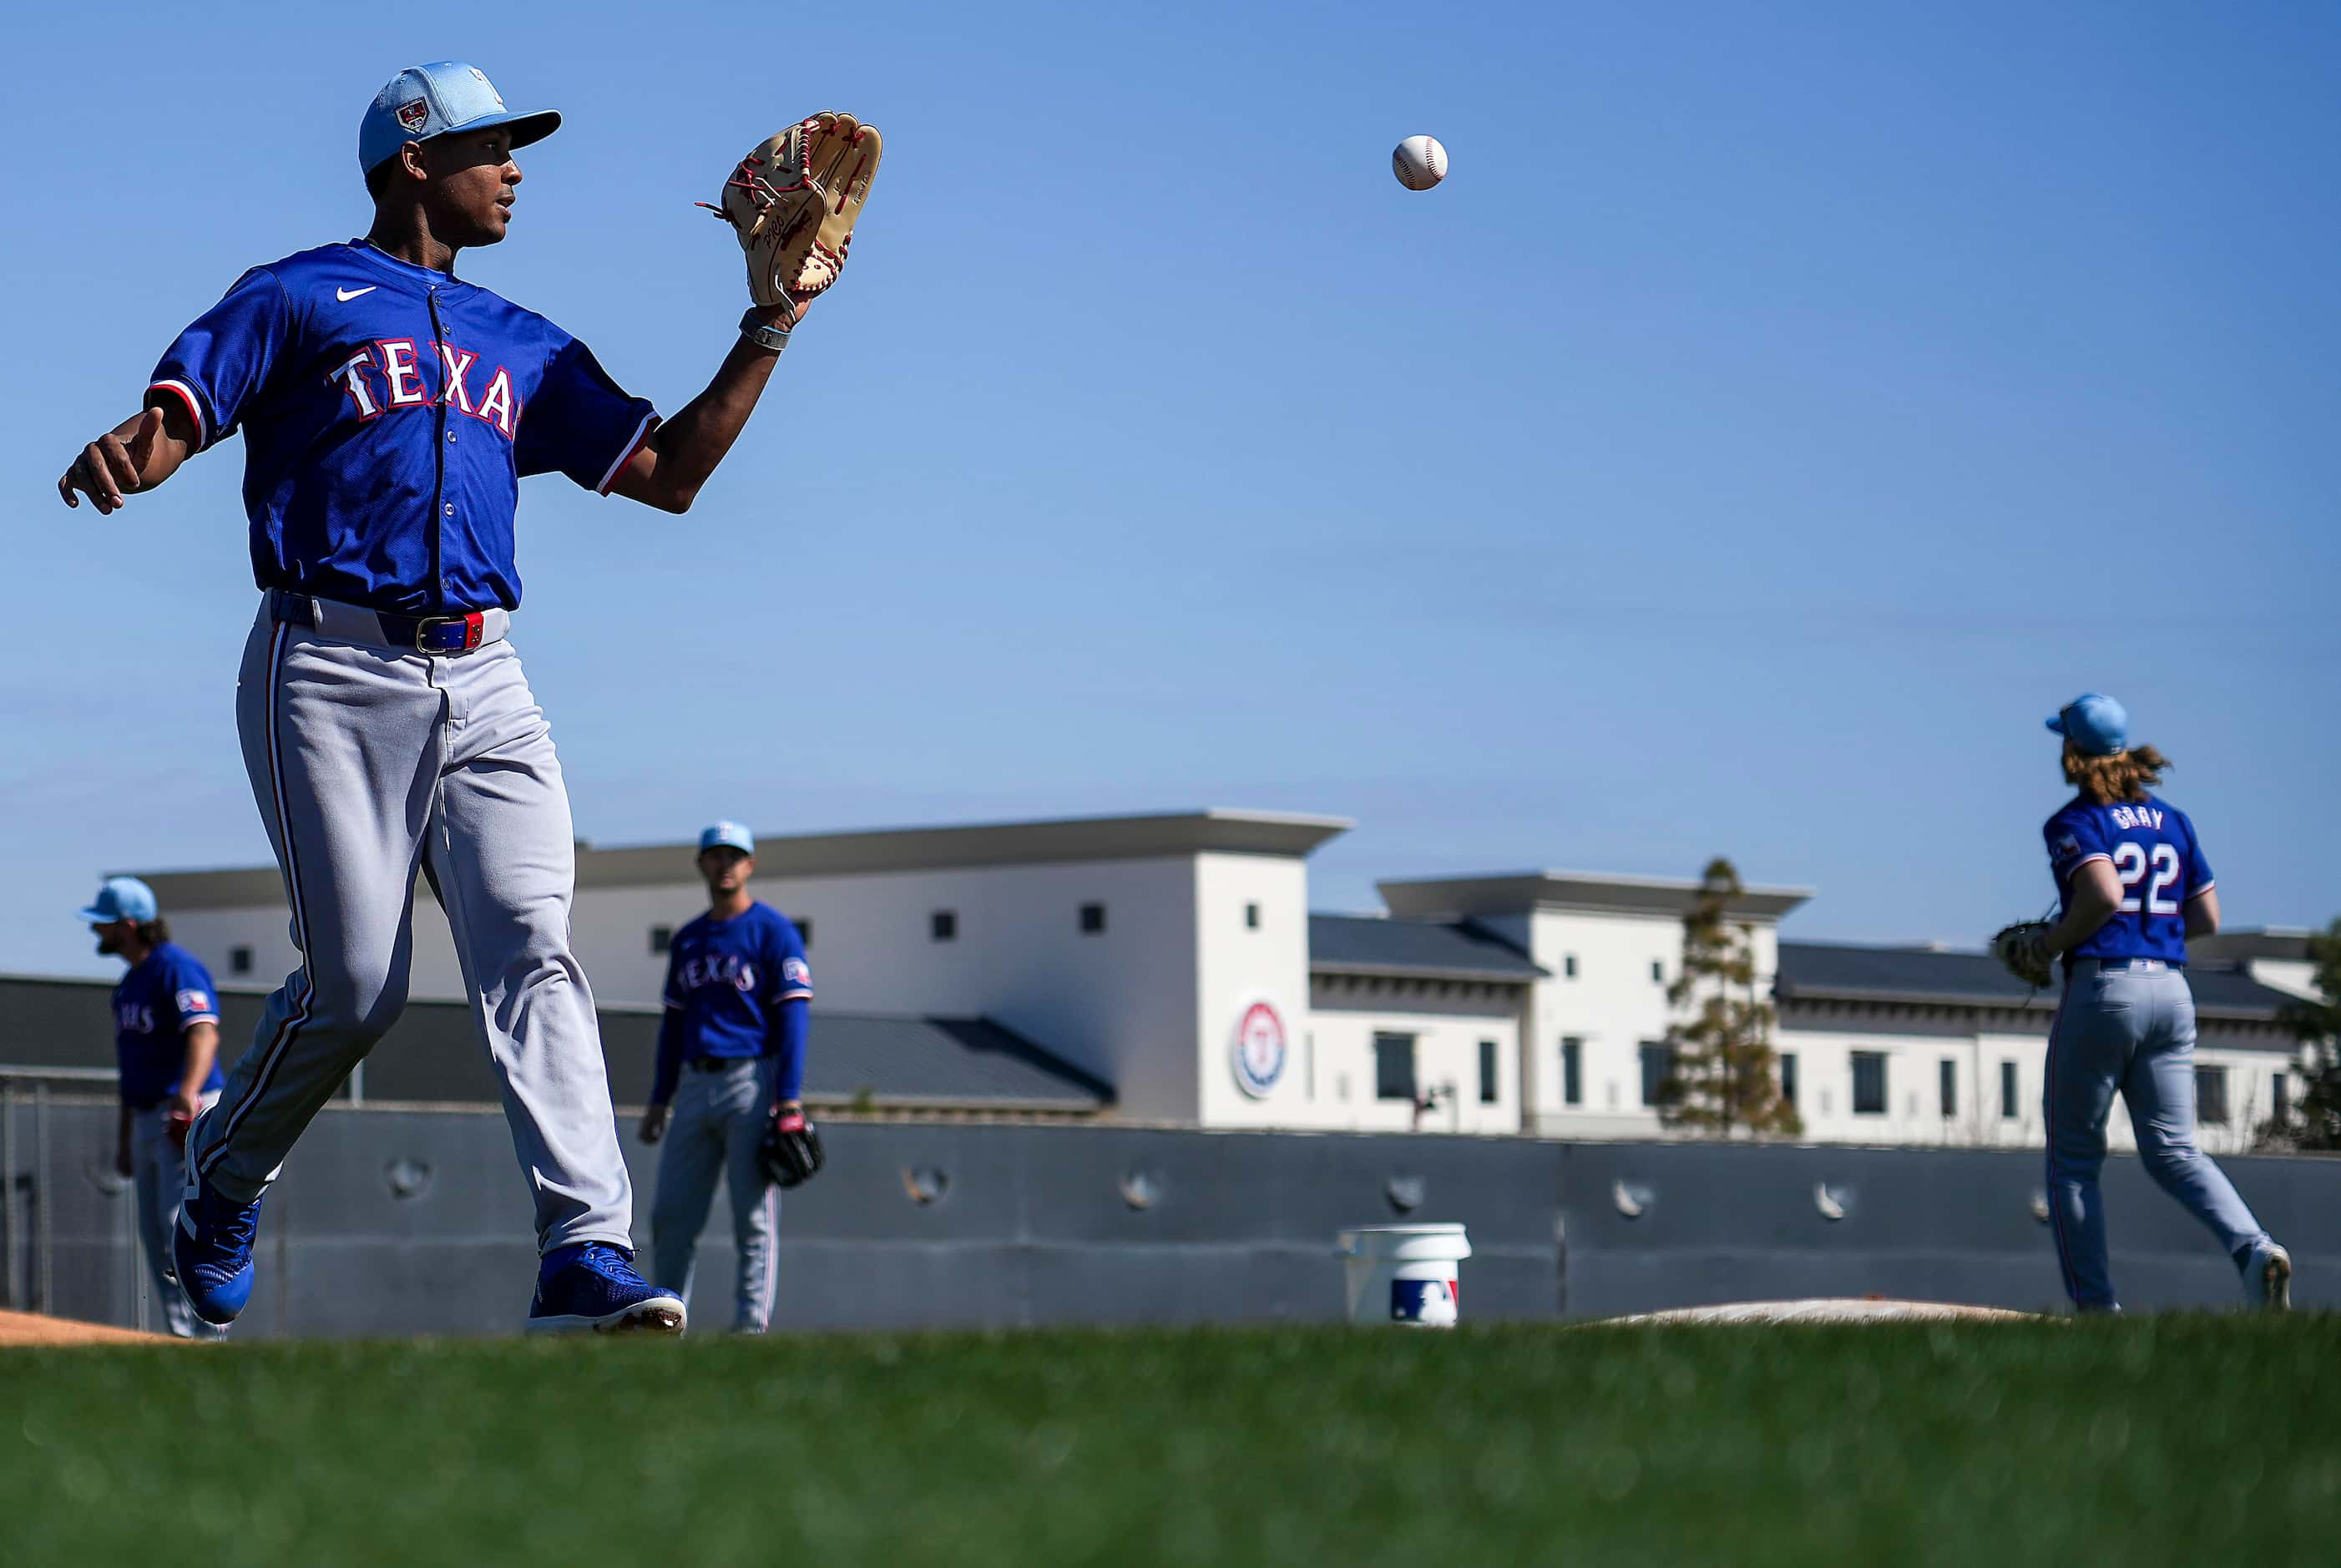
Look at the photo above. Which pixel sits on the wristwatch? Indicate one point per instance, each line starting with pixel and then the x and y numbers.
pixel 762 334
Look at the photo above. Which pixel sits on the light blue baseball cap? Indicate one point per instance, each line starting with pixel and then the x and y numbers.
pixel 2097 725
pixel 426 101
pixel 122 898
pixel 727 834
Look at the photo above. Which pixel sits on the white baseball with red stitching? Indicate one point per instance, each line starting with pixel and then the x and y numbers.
pixel 1420 163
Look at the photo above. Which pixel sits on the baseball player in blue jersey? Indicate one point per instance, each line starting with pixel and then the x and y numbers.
pixel 389 410
pixel 2134 886
pixel 166 1046
pixel 731 1059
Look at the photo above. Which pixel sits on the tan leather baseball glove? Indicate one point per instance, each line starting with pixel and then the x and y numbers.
pixel 792 203
pixel 2019 951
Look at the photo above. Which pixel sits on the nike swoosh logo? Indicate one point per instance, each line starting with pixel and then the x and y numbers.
pixel 347 295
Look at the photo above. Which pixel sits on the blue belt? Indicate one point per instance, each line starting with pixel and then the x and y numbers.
pixel 719 1063
pixel 440 634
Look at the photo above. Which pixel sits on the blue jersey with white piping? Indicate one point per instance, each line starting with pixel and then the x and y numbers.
pixel 2155 858
pixel 165 994
pixel 737 988
pixel 389 412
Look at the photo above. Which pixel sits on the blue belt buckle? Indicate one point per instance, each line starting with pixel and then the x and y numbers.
pixel 448 633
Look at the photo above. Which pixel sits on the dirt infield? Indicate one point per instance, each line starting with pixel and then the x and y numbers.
pixel 1856 1310
pixel 25 1328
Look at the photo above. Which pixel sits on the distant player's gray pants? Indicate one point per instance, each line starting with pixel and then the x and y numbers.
pixel 2133 1032
pixel 157 1170
pixel 716 1128
pixel 370 765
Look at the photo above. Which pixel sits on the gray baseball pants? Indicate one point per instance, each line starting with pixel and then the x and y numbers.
pixel 157 1168
pixel 2128 1028
pixel 715 1128
pixel 370 765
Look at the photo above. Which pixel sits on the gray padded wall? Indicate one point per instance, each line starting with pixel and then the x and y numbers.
pixel 416 1222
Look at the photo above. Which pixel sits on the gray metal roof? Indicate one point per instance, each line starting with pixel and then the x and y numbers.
pixel 1828 972
pixel 433 1055
pixel 1216 830
pixel 1519 892
pixel 1437 950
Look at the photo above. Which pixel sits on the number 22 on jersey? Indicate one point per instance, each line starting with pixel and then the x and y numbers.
pixel 2132 862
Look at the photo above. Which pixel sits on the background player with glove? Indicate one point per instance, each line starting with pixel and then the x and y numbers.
pixel 166 1045
pixel 2134 886
pixel 730 1065
pixel 389 410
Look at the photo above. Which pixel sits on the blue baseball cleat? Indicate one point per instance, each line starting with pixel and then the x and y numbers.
pixel 211 1248
pixel 592 1288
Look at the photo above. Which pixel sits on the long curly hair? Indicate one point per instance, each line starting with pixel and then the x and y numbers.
pixel 2110 781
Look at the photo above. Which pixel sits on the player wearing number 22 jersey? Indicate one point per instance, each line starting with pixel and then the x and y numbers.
pixel 2133 884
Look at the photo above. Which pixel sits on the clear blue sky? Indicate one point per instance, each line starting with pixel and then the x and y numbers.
pixel 1777 412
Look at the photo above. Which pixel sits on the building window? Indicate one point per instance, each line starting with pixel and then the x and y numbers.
pixel 1487 1072
pixel 1394 1067
pixel 1789 1076
pixel 2211 1095
pixel 1572 1071
pixel 1870 1083
pixel 2008 1091
pixel 1657 1064
pixel 2280 1094
pixel 1092 919
pixel 1949 1077
pixel 804 929
pixel 1251 917
pixel 239 961
pixel 1658 971
pixel 1569 965
pixel 662 938
pixel 943 925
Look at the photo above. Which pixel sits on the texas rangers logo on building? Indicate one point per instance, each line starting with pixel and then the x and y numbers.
pixel 1258 1050
pixel 415 116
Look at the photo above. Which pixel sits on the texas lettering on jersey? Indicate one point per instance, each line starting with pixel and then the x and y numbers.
pixel 716 969
pixel 383 376
pixel 366 389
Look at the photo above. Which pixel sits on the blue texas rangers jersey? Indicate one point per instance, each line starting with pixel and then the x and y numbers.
pixel 389 412
pixel 2158 861
pixel 166 994
pixel 735 988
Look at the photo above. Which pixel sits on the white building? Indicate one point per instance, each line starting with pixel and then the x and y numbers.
pixel 1175 957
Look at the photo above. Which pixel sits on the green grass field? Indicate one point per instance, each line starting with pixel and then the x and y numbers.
pixel 2178 1440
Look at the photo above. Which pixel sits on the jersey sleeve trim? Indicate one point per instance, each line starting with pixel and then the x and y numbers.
pixel 194 408
pixel 2093 855
pixel 796 995
pixel 2204 888
pixel 626 455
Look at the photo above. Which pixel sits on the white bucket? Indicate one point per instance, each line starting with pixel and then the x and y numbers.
pixel 1403 1274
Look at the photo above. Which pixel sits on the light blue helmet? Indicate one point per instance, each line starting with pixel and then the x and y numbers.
pixel 2097 725
pixel 727 834
pixel 122 898
pixel 426 101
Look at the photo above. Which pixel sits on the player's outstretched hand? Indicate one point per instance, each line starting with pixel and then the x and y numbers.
pixel 654 1125
pixel 114 465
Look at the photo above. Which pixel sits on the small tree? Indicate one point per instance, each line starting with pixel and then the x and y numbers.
pixel 1722 1079
pixel 2316 1122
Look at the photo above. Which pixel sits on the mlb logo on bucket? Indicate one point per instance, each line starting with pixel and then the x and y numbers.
pixel 1429 1302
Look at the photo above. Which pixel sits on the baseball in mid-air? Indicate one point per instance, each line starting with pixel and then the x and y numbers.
pixel 1420 163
